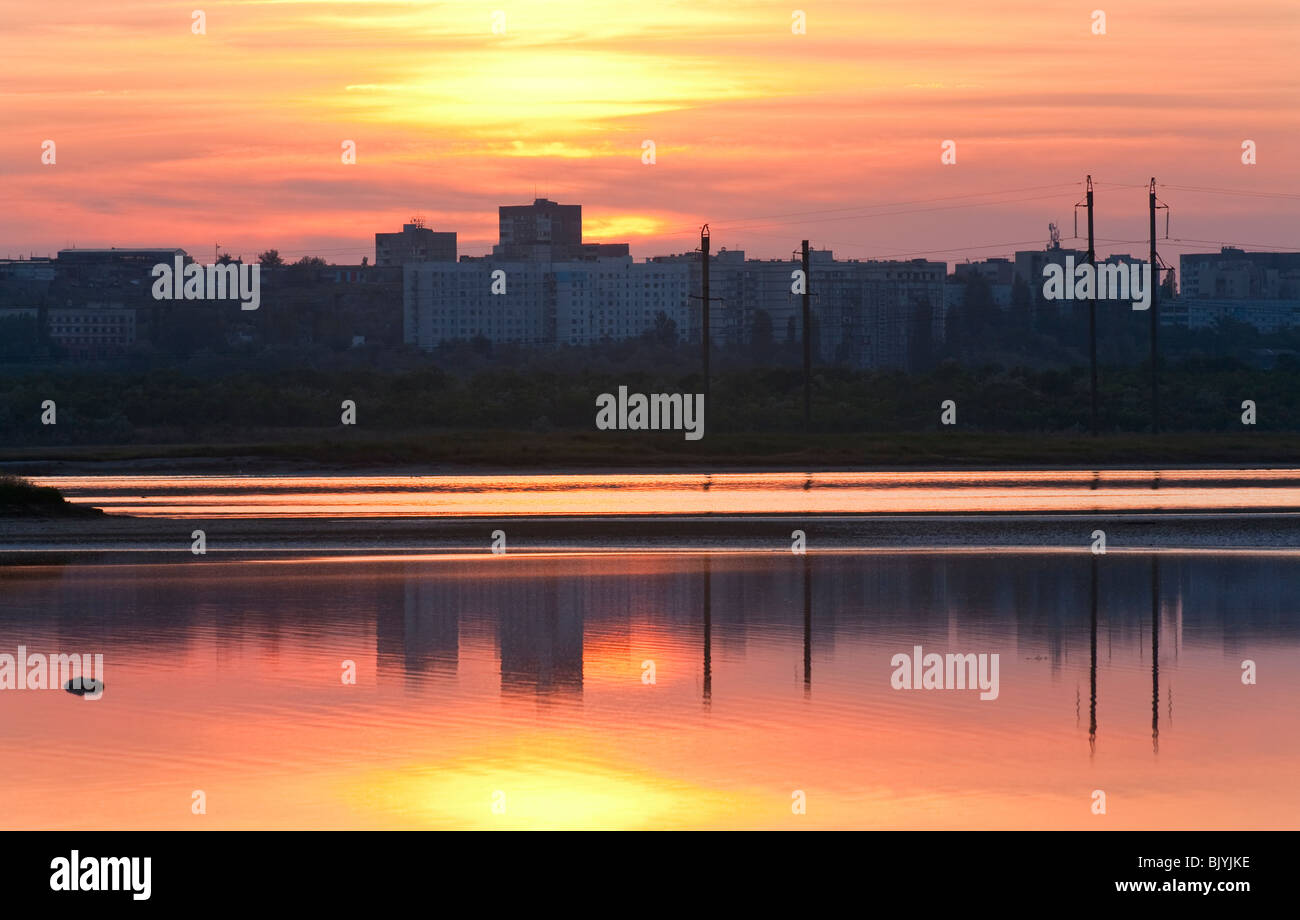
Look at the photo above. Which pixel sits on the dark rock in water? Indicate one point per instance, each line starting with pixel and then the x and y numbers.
pixel 83 685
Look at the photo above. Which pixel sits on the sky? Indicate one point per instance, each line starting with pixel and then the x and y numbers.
pixel 165 137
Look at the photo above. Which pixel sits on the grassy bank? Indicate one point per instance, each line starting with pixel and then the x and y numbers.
pixel 470 450
pixel 19 498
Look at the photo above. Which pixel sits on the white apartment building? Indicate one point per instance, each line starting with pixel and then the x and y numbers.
pixel 544 303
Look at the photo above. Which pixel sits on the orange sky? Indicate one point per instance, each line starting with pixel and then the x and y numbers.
pixel 165 137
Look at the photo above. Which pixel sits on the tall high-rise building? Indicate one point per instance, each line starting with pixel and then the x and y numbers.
pixel 542 223
pixel 545 231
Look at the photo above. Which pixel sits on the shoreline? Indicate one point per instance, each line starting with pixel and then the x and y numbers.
pixel 170 538
pixel 210 467
pixel 509 452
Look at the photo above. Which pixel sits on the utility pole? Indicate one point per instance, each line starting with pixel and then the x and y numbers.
pixel 1155 313
pixel 704 299
pixel 807 345
pixel 1092 310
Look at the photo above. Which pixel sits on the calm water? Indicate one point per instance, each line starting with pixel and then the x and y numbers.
pixel 524 676
pixel 731 493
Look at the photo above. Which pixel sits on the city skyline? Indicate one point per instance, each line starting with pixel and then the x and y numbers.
pixel 233 136
pixel 449 249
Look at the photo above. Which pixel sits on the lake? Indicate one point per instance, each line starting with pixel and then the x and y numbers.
pixel 630 690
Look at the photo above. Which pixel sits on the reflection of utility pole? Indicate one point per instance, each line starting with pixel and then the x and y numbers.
pixel 1155 653
pixel 1092 668
pixel 708 630
pixel 807 624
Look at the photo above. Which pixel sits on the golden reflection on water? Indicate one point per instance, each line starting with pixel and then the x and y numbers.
pixel 730 493
pixel 546 780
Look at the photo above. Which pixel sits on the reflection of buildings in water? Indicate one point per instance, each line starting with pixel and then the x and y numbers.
pixel 419 632
pixel 964 601
pixel 1031 600
pixel 541 638
pixel 538 624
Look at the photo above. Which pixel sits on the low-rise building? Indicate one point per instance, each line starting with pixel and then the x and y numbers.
pixel 93 330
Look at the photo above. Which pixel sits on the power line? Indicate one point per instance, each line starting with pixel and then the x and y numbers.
pixel 949 207
pixel 893 204
pixel 1186 241
pixel 923 252
pixel 1247 193
pixel 1288 248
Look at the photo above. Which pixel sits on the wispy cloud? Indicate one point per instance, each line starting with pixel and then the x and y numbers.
pixel 176 137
